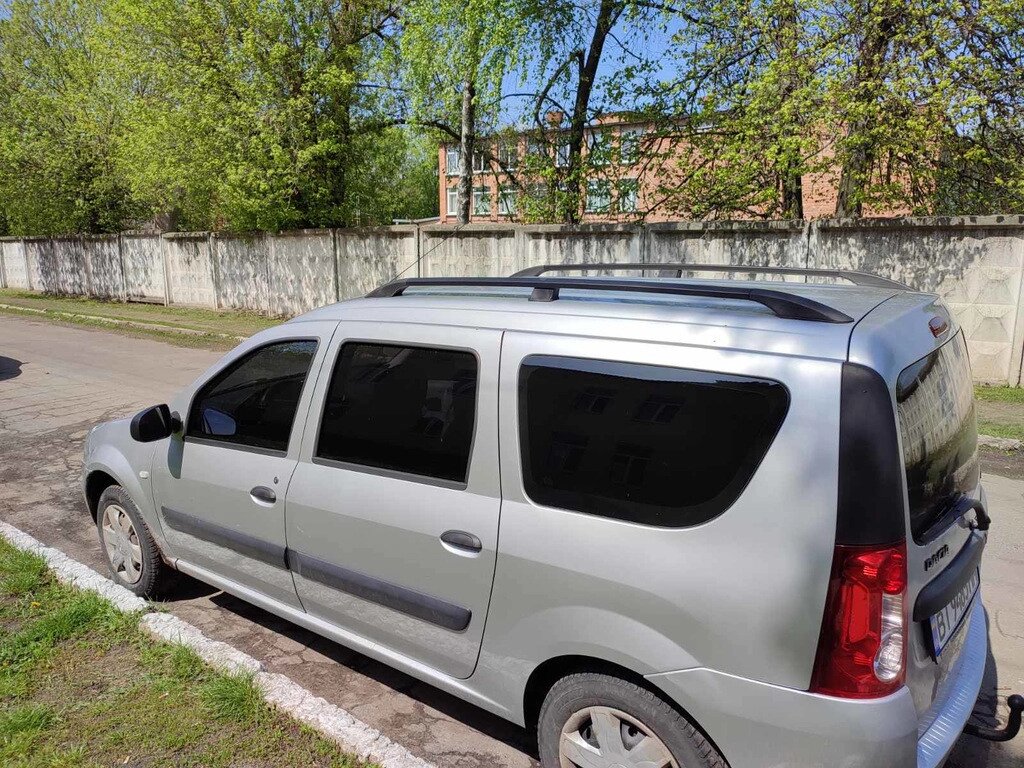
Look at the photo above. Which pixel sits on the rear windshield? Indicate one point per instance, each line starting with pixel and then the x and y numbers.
pixel 935 399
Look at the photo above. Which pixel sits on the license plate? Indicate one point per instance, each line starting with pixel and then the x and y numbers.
pixel 946 622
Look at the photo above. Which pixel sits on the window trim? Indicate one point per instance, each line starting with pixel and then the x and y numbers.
pixel 398 474
pixel 200 440
pixel 625 368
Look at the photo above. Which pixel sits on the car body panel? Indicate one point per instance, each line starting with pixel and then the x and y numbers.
pixel 386 526
pixel 201 488
pixel 722 617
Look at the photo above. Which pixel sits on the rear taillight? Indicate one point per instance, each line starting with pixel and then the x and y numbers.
pixel 862 648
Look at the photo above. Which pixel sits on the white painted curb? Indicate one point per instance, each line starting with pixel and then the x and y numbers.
pixel 333 722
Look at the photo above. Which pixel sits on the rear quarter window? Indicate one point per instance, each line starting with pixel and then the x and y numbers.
pixel 667 447
pixel 935 402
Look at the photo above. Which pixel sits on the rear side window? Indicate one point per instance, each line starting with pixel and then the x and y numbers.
pixel 660 446
pixel 405 409
pixel 252 403
pixel 935 402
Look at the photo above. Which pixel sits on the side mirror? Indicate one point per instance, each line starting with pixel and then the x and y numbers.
pixel 154 423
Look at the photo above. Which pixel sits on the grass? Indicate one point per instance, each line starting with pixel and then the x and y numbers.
pixel 1000 411
pixel 81 685
pixel 207 325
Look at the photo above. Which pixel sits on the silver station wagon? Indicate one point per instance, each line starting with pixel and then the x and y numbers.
pixel 665 521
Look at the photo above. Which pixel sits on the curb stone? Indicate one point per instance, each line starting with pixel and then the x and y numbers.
pixel 281 692
pixel 1000 443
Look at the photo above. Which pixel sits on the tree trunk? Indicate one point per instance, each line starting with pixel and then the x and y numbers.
pixel 606 18
pixel 792 194
pixel 468 141
pixel 867 81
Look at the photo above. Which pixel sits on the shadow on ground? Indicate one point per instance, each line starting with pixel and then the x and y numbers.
pixel 9 368
pixel 346 658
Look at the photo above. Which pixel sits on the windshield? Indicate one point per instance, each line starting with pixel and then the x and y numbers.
pixel 935 400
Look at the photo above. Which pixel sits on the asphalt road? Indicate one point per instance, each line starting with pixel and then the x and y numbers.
pixel 56 382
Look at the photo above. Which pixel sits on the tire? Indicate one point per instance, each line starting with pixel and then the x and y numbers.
pixel 572 699
pixel 153 576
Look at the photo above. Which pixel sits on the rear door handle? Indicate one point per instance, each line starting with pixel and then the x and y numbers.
pixel 466 542
pixel 263 494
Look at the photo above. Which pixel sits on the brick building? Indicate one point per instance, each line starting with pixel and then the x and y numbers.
pixel 623 183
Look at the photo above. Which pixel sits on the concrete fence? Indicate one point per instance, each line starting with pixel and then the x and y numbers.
pixel 975 263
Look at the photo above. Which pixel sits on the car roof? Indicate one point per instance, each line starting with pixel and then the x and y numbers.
pixel 705 320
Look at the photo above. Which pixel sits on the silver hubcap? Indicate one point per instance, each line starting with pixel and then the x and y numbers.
pixel 122 544
pixel 602 737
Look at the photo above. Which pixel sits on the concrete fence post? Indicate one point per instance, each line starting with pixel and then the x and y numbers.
pixel 214 269
pixel 28 264
pixel 87 259
pixel 120 263
pixel 336 270
pixel 167 270
pixel 3 267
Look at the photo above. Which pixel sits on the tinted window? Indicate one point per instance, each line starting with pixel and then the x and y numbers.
pixel 408 409
pixel 660 446
pixel 253 401
pixel 935 401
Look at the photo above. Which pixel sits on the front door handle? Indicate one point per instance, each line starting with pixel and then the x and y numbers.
pixel 461 540
pixel 263 494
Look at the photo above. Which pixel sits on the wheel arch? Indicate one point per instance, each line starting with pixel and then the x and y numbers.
pixel 549 672
pixel 96 482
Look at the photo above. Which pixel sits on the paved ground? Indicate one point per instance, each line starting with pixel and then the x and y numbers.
pixel 55 382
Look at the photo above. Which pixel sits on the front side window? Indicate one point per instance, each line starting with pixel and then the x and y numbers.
pixel 479 162
pixel 252 403
pixel 453 200
pixel 405 409
pixel 629 145
pixel 660 446
pixel 508 157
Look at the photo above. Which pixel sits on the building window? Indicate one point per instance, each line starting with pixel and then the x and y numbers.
pixel 508 157
pixel 562 154
pixel 481 201
pixel 452 164
pixel 659 446
pixel 479 162
pixel 629 145
pixel 598 196
pixel 453 200
pixel 537 148
pixel 628 189
pixel 507 200
pixel 404 409
pixel 600 148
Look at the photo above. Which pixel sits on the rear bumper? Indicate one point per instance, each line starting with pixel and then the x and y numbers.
pixel 756 725
pixel 943 724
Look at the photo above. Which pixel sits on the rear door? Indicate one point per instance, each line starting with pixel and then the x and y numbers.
pixel 392 518
pixel 932 385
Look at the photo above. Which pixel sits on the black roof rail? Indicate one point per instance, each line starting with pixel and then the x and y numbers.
pixel 857 278
pixel 546 289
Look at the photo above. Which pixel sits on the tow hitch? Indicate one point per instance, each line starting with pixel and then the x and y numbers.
pixel 1016 705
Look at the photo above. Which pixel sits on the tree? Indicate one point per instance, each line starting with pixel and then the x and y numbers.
pixel 60 116
pixel 254 114
pixel 479 42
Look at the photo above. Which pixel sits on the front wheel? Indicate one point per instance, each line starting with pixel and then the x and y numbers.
pixel 131 552
pixel 591 720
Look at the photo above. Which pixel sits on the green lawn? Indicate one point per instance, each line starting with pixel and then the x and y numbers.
pixel 210 324
pixel 1001 411
pixel 81 685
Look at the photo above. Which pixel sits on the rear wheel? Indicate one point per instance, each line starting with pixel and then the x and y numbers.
pixel 591 720
pixel 131 552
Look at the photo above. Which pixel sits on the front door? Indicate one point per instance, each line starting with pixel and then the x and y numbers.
pixel 220 488
pixel 392 520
